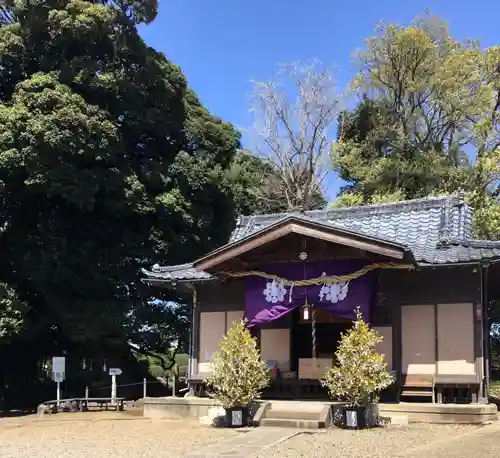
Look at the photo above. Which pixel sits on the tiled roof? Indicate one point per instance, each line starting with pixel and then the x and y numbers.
pixel 437 231
pixel 180 273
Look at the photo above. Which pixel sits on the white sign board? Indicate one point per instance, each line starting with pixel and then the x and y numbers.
pixel 115 371
pixel 58 364
pixel 58 368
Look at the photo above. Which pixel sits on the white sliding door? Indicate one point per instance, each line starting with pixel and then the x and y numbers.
pixel 418 339
pixel 456 339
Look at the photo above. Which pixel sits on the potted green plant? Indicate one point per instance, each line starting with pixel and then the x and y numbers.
pixel 239 375
pixel 359 375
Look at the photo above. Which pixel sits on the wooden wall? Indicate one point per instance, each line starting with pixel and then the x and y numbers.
pixel 396 290
pixel 427 311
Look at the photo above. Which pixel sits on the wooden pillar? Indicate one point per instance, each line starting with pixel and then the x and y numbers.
pixel 195 333
pixel 255 333
pixel 397 342
pixel 486 330
pixel 480 349
pixel 478 332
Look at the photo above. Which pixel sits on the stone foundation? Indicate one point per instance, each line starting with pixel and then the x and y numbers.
pixel 207 410
pixel 204 409
pixel 174 408
pixel 442 413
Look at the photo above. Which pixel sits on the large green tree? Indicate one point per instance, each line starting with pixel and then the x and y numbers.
pixel 108 162
pixel 429 121
pixel 378 164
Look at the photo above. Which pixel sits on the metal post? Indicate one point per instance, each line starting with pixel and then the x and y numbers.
pixel 173 385
pixel 58 398
pixel 144 395
pixel 113 389
pixel 86 392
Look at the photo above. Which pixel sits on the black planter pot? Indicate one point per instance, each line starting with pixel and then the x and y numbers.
pixel 237 417
pixel 356 417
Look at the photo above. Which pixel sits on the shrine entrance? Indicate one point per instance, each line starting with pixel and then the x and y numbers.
pixel 302 285
pixel 329 329
pixel 296 373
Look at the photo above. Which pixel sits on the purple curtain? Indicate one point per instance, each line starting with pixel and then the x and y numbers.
pixel 266 300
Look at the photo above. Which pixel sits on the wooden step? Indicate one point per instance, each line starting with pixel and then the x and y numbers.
pixel 416 393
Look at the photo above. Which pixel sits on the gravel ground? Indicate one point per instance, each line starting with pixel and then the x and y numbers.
pixel 373 443
pixel 101 434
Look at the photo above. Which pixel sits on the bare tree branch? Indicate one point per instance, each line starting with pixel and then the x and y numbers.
pixel 293 116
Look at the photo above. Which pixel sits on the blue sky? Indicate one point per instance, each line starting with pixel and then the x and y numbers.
pixel 221 45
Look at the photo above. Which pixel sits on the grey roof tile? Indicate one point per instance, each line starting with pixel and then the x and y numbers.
pixel 437 230
pixel 177 273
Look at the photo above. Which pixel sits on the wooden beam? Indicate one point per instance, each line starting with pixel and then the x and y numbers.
pixel 286 249
pixel 243 248
pixel 294 228
pixel 270 258
pixel 347 241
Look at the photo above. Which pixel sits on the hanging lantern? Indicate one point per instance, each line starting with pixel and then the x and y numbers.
pixel 305 311
pixel 308 310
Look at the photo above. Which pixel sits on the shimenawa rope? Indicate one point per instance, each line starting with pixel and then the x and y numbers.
pixel 322 280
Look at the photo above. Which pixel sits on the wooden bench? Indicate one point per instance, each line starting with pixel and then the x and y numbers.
pixel 468 383
pixel 416 385
pixel 54 404
pixel 82 404
pixel 116 404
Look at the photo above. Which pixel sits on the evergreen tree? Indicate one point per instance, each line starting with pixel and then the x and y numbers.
pixel 108 163
pixel 430 102
pixel 361 371
pixel 239 374
pixel 379 164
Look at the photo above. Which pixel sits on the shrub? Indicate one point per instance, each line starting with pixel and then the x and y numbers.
pixel 361 372
pixel 239 374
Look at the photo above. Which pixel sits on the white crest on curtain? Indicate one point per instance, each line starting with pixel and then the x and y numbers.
pixel 275 291
pixel 333 292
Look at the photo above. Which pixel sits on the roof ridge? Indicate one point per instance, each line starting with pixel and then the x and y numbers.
pixel 474 243
pixel 389 207
pixel 393 207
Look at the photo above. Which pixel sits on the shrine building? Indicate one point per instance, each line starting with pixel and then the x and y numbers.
pixel 412 268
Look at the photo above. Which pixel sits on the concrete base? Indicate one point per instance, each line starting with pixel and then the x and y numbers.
pixel 206 410
pixel 441 413
pixel 323 414
pixel 174 408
